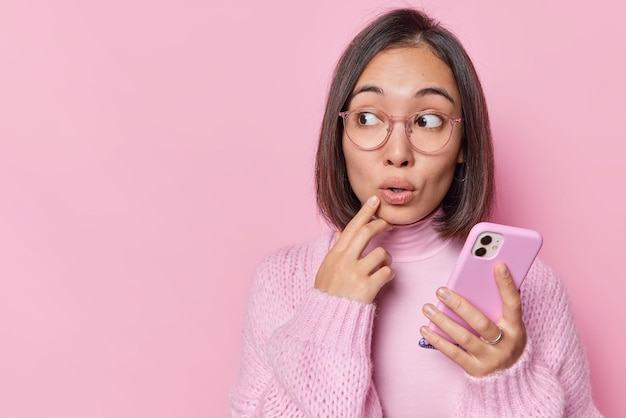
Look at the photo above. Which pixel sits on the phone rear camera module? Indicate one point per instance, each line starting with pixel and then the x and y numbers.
pixel 486 240
pixel 487 245
pixel 481 251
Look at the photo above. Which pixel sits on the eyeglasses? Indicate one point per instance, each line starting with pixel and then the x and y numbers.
pixel 369 128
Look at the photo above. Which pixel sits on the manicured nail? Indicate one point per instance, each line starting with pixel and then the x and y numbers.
pixel 503 270
pixel 373 201
pixel 426 332
pixel 429 310
pixel 443 293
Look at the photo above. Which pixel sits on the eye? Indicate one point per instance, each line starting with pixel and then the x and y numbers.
pixel 367 119
pixel 428 120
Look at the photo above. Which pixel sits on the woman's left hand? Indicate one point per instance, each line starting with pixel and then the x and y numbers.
pixel 479 358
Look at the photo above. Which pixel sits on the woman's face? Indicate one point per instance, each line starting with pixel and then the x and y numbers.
pixel 411 185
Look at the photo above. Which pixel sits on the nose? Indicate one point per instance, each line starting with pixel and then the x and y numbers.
pixel 397 151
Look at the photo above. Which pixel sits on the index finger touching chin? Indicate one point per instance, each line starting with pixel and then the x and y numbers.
pixel 364 215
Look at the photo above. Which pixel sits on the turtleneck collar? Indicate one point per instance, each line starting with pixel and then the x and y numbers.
pixel 414 242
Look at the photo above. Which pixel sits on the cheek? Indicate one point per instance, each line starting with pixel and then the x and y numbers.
pixel 438 176
pixel 360 173
pixel 442 167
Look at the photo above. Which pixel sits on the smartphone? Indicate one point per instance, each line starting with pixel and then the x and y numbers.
pixel 473 275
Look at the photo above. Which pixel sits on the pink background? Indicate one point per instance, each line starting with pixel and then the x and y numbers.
pixel 151 152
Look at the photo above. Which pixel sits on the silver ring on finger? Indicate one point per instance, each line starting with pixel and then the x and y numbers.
pixel 497 340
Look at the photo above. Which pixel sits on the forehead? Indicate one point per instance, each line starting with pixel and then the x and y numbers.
pixel 406 70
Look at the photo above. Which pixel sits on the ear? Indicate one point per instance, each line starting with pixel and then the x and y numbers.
pixel 460 158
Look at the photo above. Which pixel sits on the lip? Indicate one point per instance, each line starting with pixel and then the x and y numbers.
pixel 397 183
pixel 396 197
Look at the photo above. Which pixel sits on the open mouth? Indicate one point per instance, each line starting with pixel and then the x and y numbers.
pixel 396 190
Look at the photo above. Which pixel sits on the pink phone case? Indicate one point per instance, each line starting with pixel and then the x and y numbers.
pixel 473 274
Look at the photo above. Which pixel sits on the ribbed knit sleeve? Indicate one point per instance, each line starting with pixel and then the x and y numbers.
pixel 551 378
pixel 304 353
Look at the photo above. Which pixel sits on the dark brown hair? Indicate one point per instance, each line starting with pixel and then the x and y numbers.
pixel 466 202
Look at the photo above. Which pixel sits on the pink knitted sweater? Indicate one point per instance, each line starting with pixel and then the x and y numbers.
pixel 309 354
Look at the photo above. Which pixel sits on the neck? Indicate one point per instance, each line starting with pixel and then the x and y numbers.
pixel 416 241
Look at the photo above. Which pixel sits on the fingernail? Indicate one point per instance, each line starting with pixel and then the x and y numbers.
pixel 503 270
pixel 429 310
pixel 426 332
pixel 372 201
pixel 443 293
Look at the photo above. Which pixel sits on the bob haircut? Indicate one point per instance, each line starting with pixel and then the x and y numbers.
pixel 469 199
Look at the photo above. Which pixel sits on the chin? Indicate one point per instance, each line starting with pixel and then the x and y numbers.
pixel 401 216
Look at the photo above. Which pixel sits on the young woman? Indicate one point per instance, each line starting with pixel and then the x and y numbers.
pixel 404 170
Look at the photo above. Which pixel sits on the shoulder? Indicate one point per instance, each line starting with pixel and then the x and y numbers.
pixel 545 301
pixel 283 276
pixel 295 258
pixel 542 281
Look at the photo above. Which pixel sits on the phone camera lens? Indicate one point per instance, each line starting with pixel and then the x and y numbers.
pixel 486 240
pixel 481 251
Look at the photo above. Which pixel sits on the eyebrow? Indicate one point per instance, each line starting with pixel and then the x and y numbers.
pixel 434 90
pixel 420 93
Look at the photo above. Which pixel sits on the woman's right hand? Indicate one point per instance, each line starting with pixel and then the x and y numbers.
pixel 344 271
